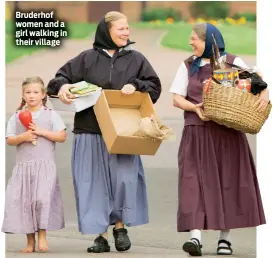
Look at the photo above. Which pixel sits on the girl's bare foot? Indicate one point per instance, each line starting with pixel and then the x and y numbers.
pixel 30 248
pixel 42 245
pixel 42 241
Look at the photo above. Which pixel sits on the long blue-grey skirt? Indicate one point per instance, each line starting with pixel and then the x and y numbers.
pixel 108 187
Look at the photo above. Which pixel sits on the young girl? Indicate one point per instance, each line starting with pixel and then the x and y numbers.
pixel 33 198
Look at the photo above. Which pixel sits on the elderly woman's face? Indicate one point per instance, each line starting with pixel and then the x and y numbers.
pixel 198 45
pixel 119 32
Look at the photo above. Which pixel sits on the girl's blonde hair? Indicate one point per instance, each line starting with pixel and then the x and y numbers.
pixel 200 29
pixel 29 80
pixel 113 16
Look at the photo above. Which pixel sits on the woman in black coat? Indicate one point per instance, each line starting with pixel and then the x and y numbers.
pixel 109 188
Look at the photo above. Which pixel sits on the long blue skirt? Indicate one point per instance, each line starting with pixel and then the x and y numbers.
pixel 108 187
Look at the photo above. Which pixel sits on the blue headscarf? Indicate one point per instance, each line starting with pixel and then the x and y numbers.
pixel 211 29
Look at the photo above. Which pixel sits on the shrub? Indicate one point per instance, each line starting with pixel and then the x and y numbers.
pixel 251 17
pixel 161 14
pixel 209 9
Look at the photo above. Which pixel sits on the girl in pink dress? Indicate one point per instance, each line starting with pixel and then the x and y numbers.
pixel 33 198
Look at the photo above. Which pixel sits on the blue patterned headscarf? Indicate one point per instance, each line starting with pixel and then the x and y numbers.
pixel 211 29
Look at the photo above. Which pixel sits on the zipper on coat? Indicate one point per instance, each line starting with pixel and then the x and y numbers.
pixel 111 67
pixel 113 59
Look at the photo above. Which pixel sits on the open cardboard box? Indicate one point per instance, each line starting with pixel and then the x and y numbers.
pixel 78 104
pixel 118 115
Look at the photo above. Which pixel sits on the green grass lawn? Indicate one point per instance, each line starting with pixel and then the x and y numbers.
pixel 13 51
pixel 81 30
pixel 239 39
pixel 75 31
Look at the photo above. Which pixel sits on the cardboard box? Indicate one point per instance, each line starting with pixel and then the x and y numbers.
pixel 118 115
pixel 78 104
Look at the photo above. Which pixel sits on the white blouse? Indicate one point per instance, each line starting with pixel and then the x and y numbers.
pixel 181 81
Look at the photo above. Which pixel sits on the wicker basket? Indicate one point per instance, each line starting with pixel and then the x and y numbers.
pixel 233 108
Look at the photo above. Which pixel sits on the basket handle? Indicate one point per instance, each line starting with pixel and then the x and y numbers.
pixel 235 82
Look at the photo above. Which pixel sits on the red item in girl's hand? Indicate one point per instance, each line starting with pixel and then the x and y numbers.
pixel 25 118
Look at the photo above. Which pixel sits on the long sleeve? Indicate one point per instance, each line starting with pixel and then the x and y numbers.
pixel 69 73
pixel 147 81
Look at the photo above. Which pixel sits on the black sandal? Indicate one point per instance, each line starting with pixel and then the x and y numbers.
pixel 122 241
pixel 100 246
pixel 228 247
pixel 193 247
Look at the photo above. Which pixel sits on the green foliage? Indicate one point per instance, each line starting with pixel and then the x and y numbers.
pixel 251 17
pixel 209 9
pixel 75 31
pixel 160 14
pixel 178 34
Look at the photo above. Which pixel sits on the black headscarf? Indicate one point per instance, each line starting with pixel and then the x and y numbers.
pixel 103 39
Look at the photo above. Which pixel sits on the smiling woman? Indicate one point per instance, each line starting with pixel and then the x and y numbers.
pixel 109 189
pixel 118 27
pixel 113 33
pixel 218 185
pixel 198 42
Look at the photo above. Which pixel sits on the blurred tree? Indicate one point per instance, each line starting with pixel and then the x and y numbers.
pixel 210 9
pixel 249 16
pixel 161 14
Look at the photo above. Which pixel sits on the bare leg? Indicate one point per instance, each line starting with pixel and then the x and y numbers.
pixel 105 235
pixel 119 225
pixel 30 244
pixel 42 241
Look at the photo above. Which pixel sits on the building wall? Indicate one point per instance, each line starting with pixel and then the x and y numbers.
pixel 242 7
pixel 71 11
pixel 97 9
pixel 84 12
pixel 132 9
pixel 184 6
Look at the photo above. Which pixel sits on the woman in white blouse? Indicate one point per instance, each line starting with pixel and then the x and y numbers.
pixel 218 188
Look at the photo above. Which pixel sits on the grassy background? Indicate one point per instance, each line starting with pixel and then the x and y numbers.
pixel 75 31
pixel 239 39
